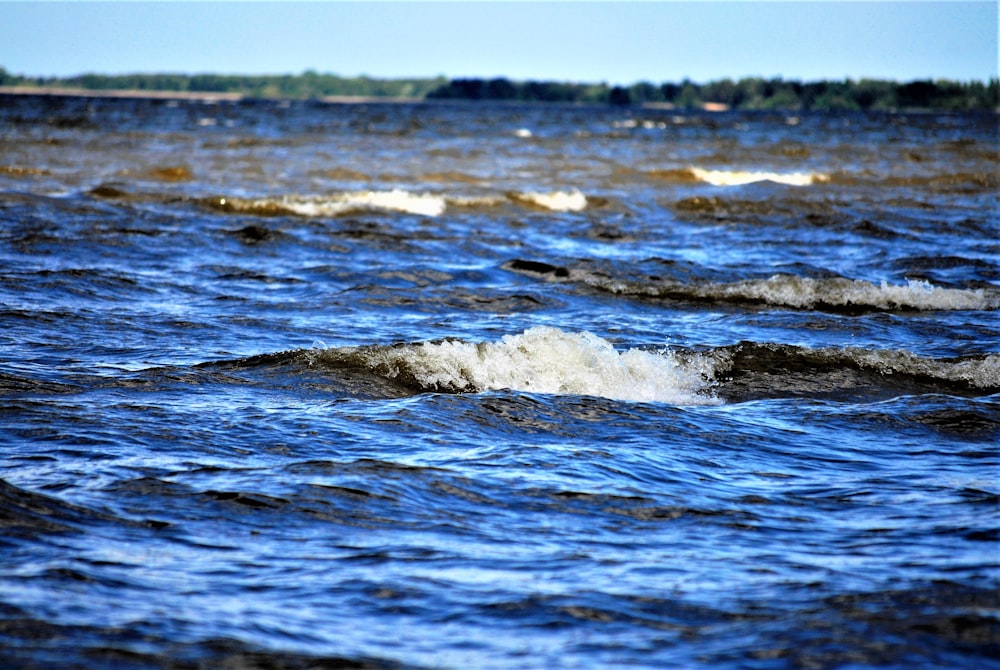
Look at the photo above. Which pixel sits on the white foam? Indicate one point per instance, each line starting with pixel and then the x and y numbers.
pixel 395 200
pixel 741 177
pixel 979 373
pixel 343 203
pixel 806 292
pixel 557 201
pixel 398 200
pixel 549 360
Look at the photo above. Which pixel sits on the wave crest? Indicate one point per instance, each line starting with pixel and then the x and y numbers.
pixel 396 200
pixel 741 177
pixel 548 360
pixel 838 294
pixel 542 360
pixel 557 201
pixel 761 370
pixel 738 177
pixel 806 293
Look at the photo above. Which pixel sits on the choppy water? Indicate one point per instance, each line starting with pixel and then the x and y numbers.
pixel 452 386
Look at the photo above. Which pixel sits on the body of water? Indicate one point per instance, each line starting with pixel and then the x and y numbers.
pixel 303 385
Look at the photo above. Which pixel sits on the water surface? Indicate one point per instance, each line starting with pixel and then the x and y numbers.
pixel 449 385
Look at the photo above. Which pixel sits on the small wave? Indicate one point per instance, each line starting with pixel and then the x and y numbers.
pixel 557 201
pixel 942 182
pixel 540 360
pixel 738 177
pixel 547 360
pixel 978 372
pixel 397 200
pixel 756 370
pixel 838 294
pixel 646 124
pixel 343 203
pixel 741 177
pixel 806 292
pixel 25 512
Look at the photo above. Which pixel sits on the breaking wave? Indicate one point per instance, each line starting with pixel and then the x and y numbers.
pixel 757 370
pixel 396 200
pixel 945 182
pixel 336 205
pixel 809 293
pixel 540 360
pixel 738 177
pixel 551 361
pixel 838 294
pixel 557 201
pixel 741 177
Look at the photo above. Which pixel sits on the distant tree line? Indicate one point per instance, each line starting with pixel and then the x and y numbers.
pixel 748 93
pixel 308 85
pixel 751 93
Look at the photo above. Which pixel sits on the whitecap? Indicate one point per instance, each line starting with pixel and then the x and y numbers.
pixel 978 372
pixel 741 177
pixel 342 203
pixel 557 201
pixel 806 292
pixel 548 360
pixel 395 200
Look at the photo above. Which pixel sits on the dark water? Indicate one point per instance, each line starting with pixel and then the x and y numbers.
pixel 301 385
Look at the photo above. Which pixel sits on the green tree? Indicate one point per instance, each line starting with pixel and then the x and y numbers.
pixel 689 95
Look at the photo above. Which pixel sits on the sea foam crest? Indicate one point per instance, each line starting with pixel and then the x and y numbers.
pixel 806 292
pixel 741 177
pixel 395 200
pixel 557 201
pixel 549 360
pixel 981 373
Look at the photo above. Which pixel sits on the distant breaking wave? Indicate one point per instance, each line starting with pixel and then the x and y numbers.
pixel 396 200
pixel 558 201
pixel 752 370
pixel 782 290
pixel 336 205
pixel 809 293
pixel 960 182
pixel 739 177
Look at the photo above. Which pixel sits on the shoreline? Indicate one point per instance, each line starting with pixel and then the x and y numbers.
pixel 216 97
pixel 118 93
pixel 202 96
pixel 207 96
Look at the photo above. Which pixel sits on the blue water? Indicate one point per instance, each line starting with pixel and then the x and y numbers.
pixel 465 386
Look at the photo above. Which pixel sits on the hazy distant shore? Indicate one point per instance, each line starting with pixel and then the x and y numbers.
pixel 117 93
pixel 203 96
pixel 751 93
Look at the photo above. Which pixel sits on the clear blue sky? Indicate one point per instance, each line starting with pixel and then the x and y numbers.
pixel 614 42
